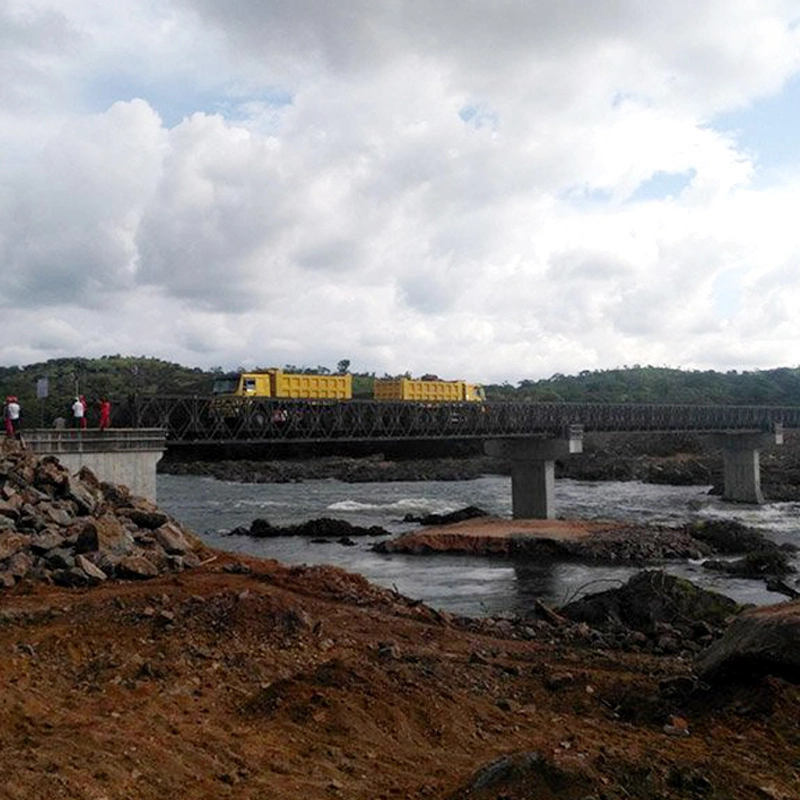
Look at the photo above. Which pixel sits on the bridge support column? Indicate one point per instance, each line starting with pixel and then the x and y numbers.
pixel 533 470
pixel 741 466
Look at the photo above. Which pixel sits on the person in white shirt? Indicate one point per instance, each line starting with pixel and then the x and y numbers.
pixel 11 413
pixel 79 413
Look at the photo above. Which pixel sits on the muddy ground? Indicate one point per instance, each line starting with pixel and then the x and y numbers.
pixel 248 679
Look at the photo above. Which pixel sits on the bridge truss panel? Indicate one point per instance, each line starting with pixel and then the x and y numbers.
pixel 196 420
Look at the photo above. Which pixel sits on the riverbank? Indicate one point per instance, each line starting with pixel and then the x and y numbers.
pixel 212 674
pixel 244 678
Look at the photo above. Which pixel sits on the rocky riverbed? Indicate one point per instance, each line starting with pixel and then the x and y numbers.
pixel 228 676
pixel 677 460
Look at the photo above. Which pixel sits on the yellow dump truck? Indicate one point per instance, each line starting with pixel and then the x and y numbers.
pixel 427 390
pixel 279 384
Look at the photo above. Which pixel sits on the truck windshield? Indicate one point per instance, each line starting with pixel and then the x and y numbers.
pixel 225 385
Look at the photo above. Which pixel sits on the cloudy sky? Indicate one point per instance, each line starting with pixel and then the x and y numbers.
pixel 484 189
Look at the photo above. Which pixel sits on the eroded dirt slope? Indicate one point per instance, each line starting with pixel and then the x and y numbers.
pixel 311 683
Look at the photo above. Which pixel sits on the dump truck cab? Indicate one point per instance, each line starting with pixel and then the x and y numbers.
pixel 243 384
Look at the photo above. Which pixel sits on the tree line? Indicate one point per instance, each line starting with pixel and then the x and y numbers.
pixel 123 377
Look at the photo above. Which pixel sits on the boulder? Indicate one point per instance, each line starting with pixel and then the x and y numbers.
pixel 136 567
pixel 9 509
pixel 145 517
pixel 59 559
pixel 30 519
pixel 7 579
pixel 11 543
pixel 59 515
pixel 51 477
pixel 19 564
pixel 45 540
pixel 116 494
pixel 774 563
pixel 105 534
pixel 93 573
pixel 86 497
pixel 171 538
pixel 650 598
pixel 730 537
pixel 760 641
pixel 469 512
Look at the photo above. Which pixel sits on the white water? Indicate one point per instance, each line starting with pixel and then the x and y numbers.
pixel 473 586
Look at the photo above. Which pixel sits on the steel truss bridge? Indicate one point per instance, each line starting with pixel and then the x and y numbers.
pixel 199 420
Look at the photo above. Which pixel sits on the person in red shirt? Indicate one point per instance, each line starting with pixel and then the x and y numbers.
pixel 105 413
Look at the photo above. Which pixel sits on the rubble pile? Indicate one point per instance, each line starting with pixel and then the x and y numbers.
pixel 74 530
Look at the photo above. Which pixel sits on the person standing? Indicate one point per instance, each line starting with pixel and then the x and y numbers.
pixel 105 413
pixel 79 414
pixel 11 413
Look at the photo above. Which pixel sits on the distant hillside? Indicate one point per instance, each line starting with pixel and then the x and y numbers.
pixel 118 377
pixel 659 385
pixel 121 377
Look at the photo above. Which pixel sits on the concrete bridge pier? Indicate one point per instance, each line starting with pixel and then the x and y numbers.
pixel 533 470
pixel 741 467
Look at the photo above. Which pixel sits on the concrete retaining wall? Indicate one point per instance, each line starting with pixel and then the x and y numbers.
pixel 126 456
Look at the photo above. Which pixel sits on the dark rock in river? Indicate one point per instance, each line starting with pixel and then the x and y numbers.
pixel 470 512
pixel 319 529
pixel 755 565
pixel 730 536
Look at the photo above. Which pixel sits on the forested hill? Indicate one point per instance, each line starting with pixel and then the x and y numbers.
pixel 660 385
pixel 116 377
pixel 121 377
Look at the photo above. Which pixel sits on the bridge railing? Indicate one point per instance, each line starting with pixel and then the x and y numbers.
pixel 200 420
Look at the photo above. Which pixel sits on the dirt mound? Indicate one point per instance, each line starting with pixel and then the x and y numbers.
pixel 245 678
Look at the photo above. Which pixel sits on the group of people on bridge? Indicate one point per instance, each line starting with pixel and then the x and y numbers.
pixel 80 409
pixel 12 415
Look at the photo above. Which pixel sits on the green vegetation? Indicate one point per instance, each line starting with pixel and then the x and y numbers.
pixel 117 377
pixel 121 377
pixel 659 385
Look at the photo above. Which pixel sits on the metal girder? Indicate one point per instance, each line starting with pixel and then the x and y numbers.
pixel 199 420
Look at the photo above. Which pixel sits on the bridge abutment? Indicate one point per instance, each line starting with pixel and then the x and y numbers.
pixel 124 455
pixel 533 470
pixel 741 463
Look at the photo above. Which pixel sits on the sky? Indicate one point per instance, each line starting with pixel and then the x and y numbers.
pixel 490 190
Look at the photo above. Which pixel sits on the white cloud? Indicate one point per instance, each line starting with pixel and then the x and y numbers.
pixel 422 186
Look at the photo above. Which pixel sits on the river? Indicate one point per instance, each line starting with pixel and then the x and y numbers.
pixel 472 586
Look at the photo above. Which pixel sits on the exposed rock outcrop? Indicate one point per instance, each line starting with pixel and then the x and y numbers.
pixel 558 540
pixel 651 600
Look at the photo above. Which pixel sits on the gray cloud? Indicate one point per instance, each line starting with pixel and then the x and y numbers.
pixel 410 185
